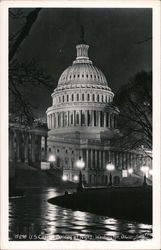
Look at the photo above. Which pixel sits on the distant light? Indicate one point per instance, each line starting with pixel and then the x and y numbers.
pixel 51 158
pixel 144 169
pixel 75 178
pixel 130 170
pixel 151 172
pixel 124 173
pixel 80 163
pixel 64 178
pixel 110 167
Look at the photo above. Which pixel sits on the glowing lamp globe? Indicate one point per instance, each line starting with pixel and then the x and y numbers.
pixel 75 178
pixel 130 170
pixel 110 167
pixel 80 164
pixel 64 178
pixel 144 169
pixel 51 158
pixel 151 172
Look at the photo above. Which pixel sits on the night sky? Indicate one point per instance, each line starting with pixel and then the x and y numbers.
pixel 114 35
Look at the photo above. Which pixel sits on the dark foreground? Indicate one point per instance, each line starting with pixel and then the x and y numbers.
pixel 132 203
pixel 32 218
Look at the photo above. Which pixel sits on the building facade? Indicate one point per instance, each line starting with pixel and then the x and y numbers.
pixel 27 144
pixel 82 122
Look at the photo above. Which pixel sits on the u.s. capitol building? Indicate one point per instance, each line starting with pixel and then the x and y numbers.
pixel 82 121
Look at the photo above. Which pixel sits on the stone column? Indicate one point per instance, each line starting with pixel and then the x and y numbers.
pixel 86 163
pixel 86 118
pixel 105 117
pixel 80 117
pixel 92 118
pixel 96 166
pixel 91 158
pixel 45 148
pixel 56 119
pixel 100 160
pixel 26 146
pixel 32 147
pixel 61 119
pixel 74 118
pixel 18 145
pixel 109 118
pixel 67 118
pixel 52 121
pixel 104 162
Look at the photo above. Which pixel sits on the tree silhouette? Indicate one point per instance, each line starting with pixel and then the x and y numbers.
pixel 134 101
pixel 23 76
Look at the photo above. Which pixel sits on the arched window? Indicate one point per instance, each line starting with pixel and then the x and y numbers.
pixel 63 98
pixel 59 99
pixel 98 98
pixel 88 97
pixel 93 97
pixel 77 97
pixel 82 97
pixel 72 97
pixel 67 98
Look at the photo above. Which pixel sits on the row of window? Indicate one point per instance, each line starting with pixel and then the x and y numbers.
pixel 84 97
pixel 82 76
pixel 49 149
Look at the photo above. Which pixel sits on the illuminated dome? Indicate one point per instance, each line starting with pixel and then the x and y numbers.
pixel 82 71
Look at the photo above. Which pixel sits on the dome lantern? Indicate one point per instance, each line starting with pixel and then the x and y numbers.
pixel 82 51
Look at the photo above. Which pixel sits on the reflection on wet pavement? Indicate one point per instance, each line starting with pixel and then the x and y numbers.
pixel 32 218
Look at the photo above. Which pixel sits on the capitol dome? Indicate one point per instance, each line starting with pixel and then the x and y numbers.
pixel 82 98
pixel 82 71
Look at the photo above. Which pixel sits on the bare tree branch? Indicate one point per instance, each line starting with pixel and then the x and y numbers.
pixel 30 20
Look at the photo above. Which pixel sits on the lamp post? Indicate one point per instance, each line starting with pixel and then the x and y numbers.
pixel 110 167
pixel 52 160
pixel 80 164
pixel 145 170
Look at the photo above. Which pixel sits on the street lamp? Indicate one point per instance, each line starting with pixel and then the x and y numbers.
pixel 130 171
pixel 51 160
pixel 110 167
pixel 64 178
pixel 145 170
pixel 80 164
pixel 75 178
pixel 151 172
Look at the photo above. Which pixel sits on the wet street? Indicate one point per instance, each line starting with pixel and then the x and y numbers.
pixel 31 217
